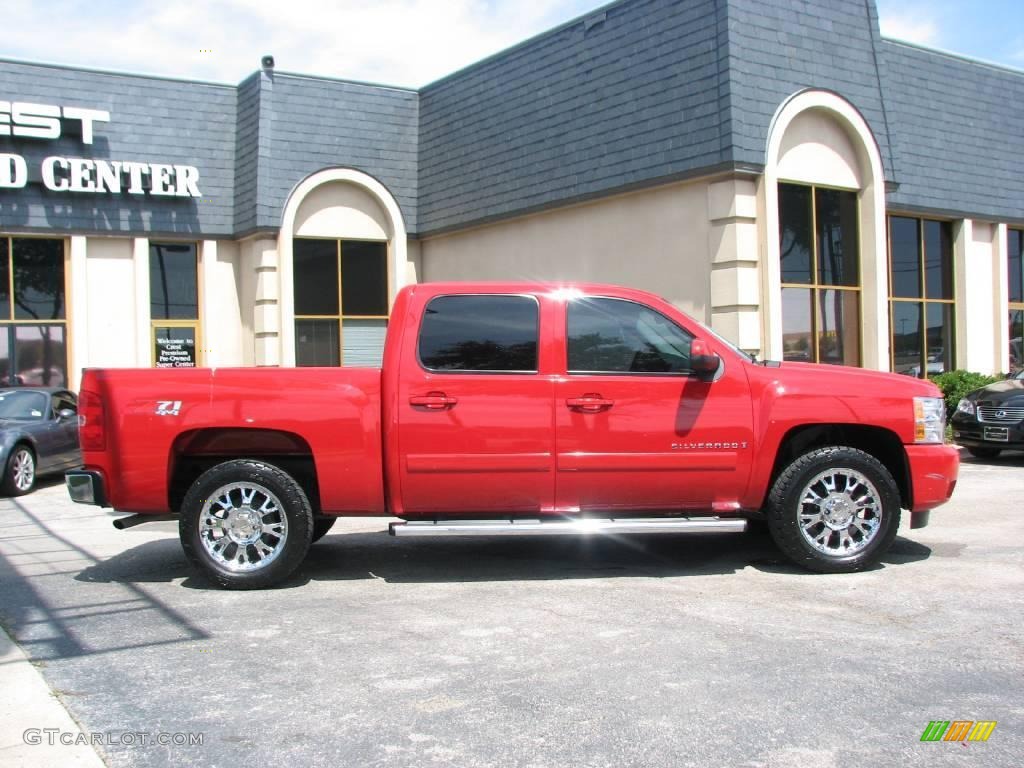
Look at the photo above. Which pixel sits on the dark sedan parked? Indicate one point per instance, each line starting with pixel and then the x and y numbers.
pixel 38 435
pixel 990 420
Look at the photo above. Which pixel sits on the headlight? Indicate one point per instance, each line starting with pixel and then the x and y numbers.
pixel 929 420
pixel 965 406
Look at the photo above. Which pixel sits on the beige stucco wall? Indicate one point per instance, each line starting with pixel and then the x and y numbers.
pixel 222 309
pixel 817 150
pixel 341 207
pixel 982 339
pixel 112 305
pixel 656 240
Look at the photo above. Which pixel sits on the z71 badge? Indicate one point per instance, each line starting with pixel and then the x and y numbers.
pixel 168 407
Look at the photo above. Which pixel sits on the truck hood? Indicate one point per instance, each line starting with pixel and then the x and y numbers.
pixel 841 380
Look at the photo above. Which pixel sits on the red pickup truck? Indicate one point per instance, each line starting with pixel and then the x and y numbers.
pixel 518 409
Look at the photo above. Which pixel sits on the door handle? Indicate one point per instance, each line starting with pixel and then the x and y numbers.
pixel 590 403
pixel 433 401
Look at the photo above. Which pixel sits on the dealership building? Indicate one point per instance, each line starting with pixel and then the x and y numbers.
pixel 780 171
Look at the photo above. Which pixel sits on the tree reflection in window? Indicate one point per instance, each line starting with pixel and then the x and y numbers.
pixel 32 347
pixel 616 336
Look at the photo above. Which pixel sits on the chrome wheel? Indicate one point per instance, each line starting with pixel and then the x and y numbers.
pixel 840 512
pixel 23 470
pixel 243 527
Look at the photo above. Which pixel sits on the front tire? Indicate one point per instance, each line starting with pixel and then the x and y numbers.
pixel 834 510
pixel 246 524
pixel 321 526
pixel 20 472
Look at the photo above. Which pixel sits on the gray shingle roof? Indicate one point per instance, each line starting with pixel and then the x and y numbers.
pixel 637 93
pixel 958 133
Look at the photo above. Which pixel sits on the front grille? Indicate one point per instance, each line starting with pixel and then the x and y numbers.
pixel 995 415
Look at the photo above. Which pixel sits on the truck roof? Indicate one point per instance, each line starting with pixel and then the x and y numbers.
pixel 568 287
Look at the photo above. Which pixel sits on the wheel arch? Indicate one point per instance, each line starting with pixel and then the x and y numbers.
pixel 195 451
pixel 884 444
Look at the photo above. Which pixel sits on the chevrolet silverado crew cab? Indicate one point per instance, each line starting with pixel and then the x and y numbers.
pixel 518 409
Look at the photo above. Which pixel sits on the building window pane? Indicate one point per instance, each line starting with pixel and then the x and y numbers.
pixel 480 333
pixel 921 268
pixel 173 281
pixel 1016 340
pixel 797 332
pixel 364 284
pixel 316 276
pixel 938 259
pixel 338 282
pixel 363 342
pixel 5 279
pixel 905 244
pixel 940 334
pixel 838 323
pixel 316 343
pixel 1015 263
pixel 614 336
pixel 795 224
pixel 819 323
pixel 38 266
pixel 838 262
pixel 40 356
pixel 906 337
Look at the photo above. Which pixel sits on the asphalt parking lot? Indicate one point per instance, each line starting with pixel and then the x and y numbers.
pixel 664 651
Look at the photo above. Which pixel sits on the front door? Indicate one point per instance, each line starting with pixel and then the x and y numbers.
pixel 634 429
pixel 474 412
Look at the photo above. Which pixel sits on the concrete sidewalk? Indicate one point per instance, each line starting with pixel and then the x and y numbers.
pixel 28 705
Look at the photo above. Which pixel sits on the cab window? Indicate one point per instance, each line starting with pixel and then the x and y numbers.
pixel 483 333
pixel 618 336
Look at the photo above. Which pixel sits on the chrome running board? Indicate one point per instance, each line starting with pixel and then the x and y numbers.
pixel 560 526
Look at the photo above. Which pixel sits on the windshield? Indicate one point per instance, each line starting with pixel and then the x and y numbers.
pixel 22 405
pixel 1019 374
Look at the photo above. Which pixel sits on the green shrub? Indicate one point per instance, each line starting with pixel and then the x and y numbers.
pixel 956 384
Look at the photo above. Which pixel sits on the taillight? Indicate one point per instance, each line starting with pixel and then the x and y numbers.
pixel 92 431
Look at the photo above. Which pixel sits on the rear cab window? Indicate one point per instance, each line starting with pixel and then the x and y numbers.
pixel 480 333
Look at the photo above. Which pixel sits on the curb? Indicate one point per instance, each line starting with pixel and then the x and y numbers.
pixel 28 705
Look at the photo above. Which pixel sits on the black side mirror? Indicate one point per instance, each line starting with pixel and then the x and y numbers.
pixel 703 360
pixel 66 414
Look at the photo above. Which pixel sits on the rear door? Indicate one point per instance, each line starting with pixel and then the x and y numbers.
pixel 635 430
pixel 475 420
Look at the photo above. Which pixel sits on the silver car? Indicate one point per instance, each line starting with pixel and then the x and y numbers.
pixel 38 435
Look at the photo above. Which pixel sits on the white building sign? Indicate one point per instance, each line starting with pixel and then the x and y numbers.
pixel 20 119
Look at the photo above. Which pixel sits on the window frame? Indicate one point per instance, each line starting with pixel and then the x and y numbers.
pixel 1014 306
pixel 923 300
pixel 10 323
pixel 816 287
pixel 478 372
pixel 660 374
pixel 195 324
pixel 341 317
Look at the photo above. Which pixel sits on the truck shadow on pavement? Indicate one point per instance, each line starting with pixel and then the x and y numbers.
pixel 375 555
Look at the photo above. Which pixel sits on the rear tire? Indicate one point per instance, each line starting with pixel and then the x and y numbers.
pixel 246 524
pixel 321 526
pixel 984 453
pixel 834 510
pixel 20 472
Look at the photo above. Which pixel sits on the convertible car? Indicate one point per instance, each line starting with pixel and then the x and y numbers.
pixel 38 435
